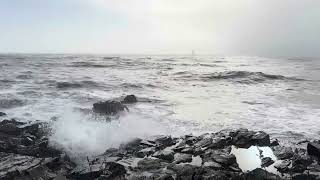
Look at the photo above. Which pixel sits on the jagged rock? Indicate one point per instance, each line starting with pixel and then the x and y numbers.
pixel 182 158
pixel 187 172
pixel 151 164
pixel 260 174
pixel 164 141
pixel 221 156
pixel 25 140
pixel 274 143
pixel 213 165
pixel 109 107
pixel 244 138
pixel 282 152
pixel 166 155
pixel 313 149
pixel 300 163
pixel 14 166
pixel 283 167
pixel 130 99
pixel 2 114
pixel 266 162
pixel 107 170
pixel 145 152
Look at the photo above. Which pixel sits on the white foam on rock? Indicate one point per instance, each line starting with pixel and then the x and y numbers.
pixel 82 135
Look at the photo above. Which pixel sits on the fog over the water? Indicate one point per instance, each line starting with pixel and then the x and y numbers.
pixel 242 27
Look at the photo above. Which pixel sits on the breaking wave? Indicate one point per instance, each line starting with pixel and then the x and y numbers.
pixel 237 76
pixel 79 84
pixel 7 103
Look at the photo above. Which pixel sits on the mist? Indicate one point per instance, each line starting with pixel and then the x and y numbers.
pixel 246 27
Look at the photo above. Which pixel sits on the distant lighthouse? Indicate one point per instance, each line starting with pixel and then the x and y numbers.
pixel 193 53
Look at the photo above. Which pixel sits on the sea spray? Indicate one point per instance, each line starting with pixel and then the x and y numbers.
pixel 83 135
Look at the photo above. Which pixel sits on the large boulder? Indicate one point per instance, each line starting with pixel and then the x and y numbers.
pixel 20 138
pixel 244 138
pixel 313 149
pixel 109 107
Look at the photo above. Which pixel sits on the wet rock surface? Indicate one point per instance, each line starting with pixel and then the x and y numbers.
pixel 130 99
pixel 25 153
pixel 109 107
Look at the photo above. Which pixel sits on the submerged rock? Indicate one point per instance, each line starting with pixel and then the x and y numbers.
pixel 2 114
pixel 130 99
pixel 109 107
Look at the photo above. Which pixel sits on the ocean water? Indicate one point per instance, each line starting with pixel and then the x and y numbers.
pixel 179 95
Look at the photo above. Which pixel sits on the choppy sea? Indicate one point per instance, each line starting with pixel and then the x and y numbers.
pixel 178 95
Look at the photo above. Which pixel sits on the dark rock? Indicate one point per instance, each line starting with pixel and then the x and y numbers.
pixel 261 139
pixel 151 164
pixel 14 166
pixel 187 172
pixel 166 155
pixel 221 156
pixel 244 138
pixel 282 152
pixel 2 114
pixel 218 143
pixel 145 152
pixel 25 140
pixel 164 141
pixel 109 107
pixel 274 143
pixel 107 170
pixel 313 149
pixel 10 129
pixel 266 162
pixel 283 167
pixel 130 99
pixel 67 85
pixel 203 143
pixel 260 174
pixel 304 176
pixel 300 163
pixel 190 140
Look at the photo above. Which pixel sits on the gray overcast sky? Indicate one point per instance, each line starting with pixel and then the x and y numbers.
pixel 235 27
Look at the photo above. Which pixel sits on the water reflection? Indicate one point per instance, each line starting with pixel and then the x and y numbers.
pixel 250 159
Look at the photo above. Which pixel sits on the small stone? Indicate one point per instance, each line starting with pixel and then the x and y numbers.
pixel 266 162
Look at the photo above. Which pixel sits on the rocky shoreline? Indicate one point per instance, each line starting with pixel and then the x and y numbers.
pixel 25 153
